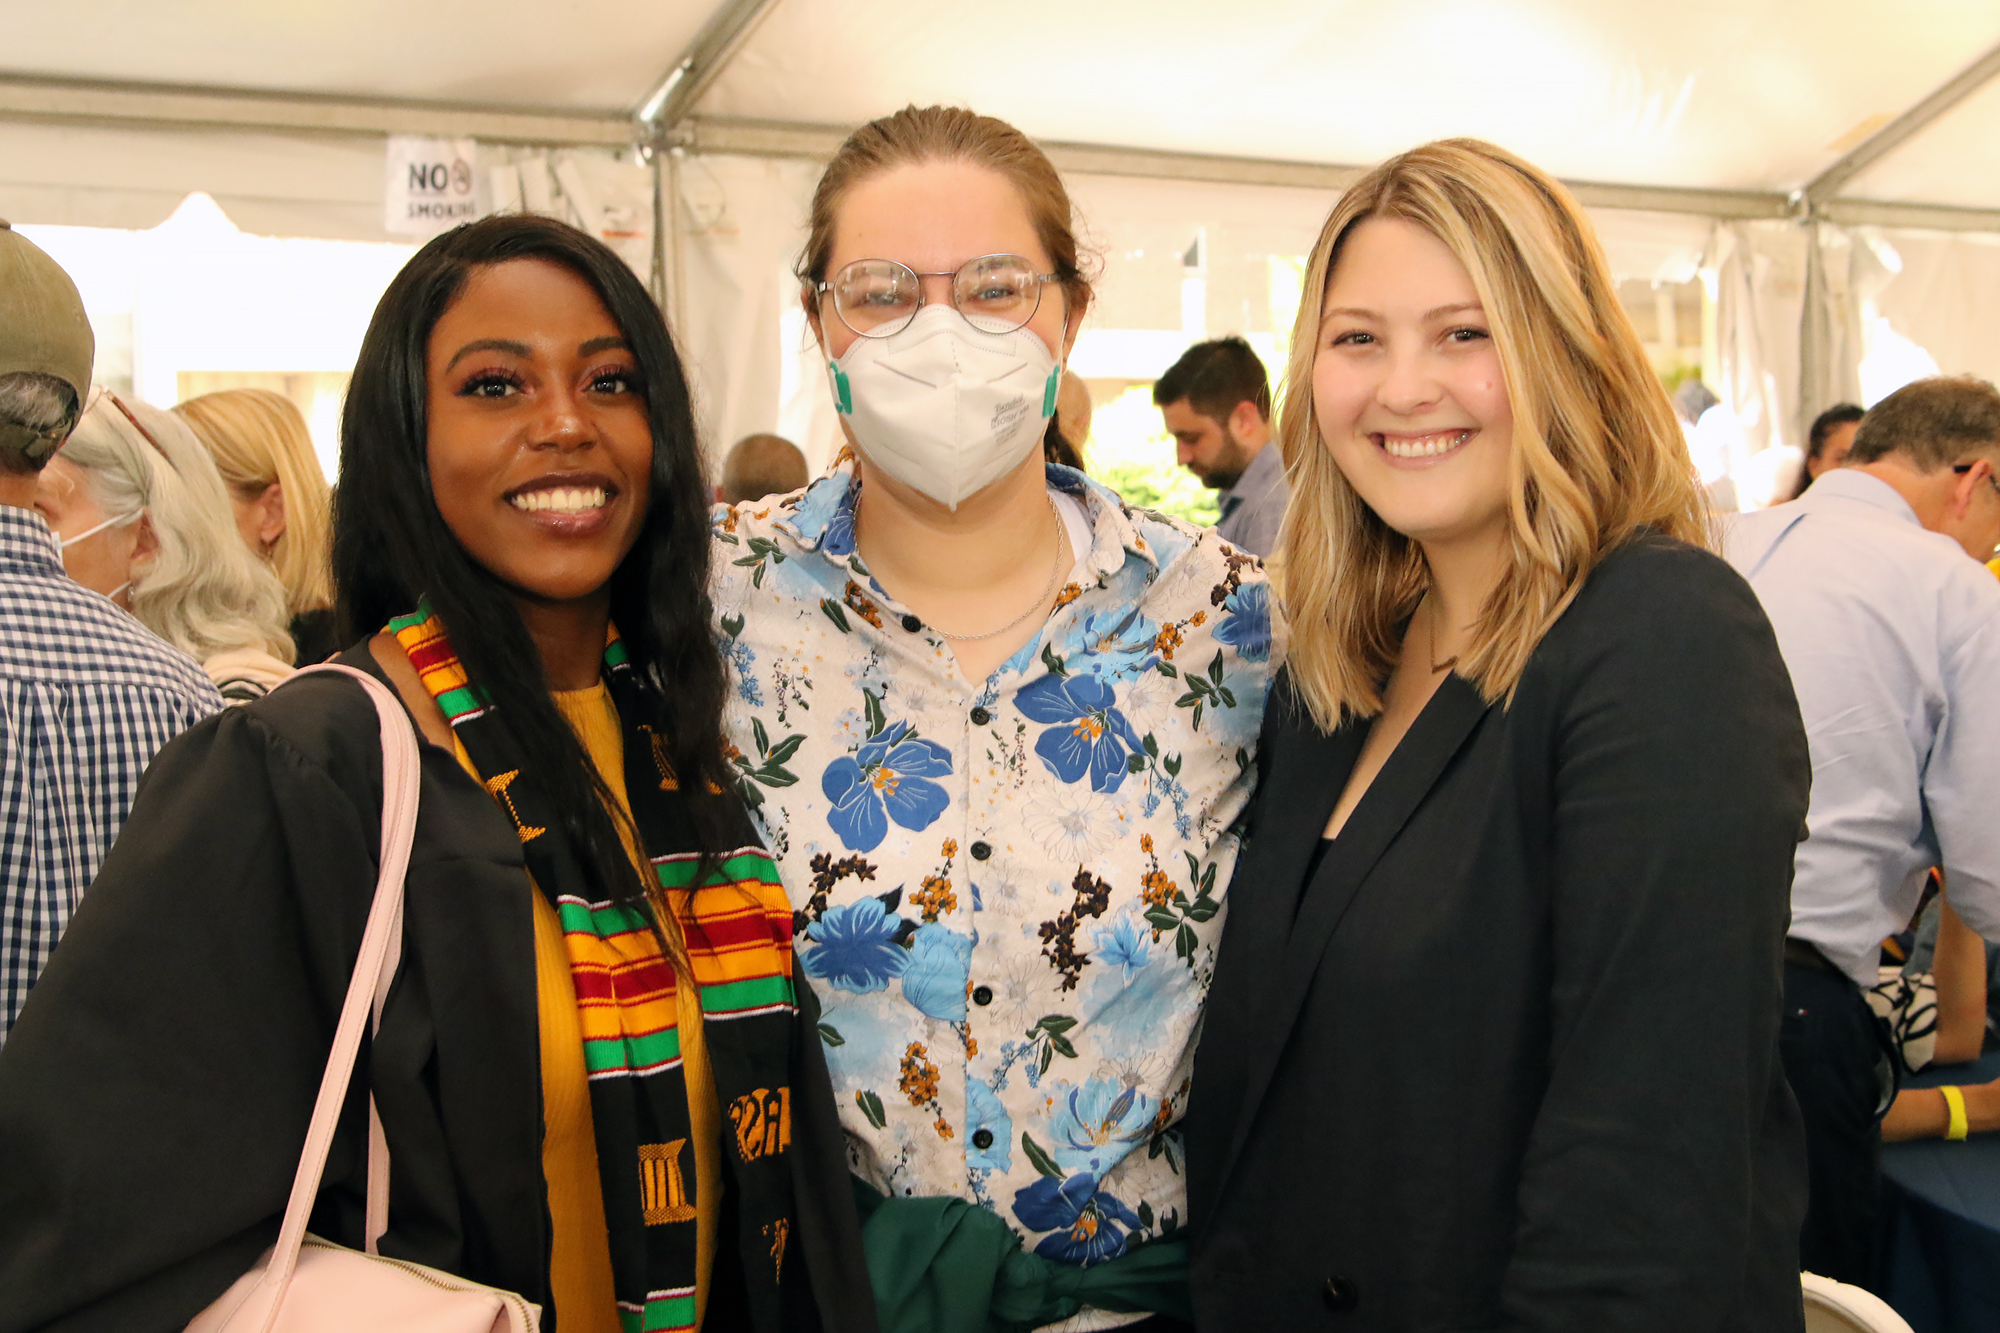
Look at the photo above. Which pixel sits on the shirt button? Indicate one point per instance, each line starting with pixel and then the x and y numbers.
pixel 912 624
pixel 982 996
pixel 981 850
pixel 980 717
pixel 1340 1294
pixel 982 1139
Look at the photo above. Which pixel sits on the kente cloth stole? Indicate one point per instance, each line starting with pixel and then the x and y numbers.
pixel 738 933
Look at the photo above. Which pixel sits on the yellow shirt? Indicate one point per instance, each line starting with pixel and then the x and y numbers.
pixel 580 1257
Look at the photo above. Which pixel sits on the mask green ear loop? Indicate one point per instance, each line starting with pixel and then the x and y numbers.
pixel 843 393
pixel 1049 392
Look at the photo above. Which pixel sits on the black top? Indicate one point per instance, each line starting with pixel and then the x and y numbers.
pixel 155 1094
pixel 315 637
pixel 1515 1064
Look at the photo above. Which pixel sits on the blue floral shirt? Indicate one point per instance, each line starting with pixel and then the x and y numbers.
pixel 1008 893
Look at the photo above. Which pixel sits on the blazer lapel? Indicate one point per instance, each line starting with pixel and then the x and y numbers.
pixel 1308 770
pixel 1405 780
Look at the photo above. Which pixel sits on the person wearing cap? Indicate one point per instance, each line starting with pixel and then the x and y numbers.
pixel 87 694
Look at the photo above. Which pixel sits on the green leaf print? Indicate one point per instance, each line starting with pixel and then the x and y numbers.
pixel 1038 1158
pixel 830 1034
pixel 835 614
pixel 871 1106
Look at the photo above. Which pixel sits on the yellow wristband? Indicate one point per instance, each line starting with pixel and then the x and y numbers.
pixel 1954 1101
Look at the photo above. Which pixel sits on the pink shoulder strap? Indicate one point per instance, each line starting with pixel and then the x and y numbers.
pixel 374 969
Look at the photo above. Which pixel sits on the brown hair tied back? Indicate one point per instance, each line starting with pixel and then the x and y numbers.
pixel 916 135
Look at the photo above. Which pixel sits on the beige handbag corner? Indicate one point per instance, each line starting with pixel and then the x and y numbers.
pixel 304 1284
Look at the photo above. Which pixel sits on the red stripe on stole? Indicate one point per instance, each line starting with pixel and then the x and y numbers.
pixel 645 979
pixel 734 931
pixel 431 654
pixel 626 983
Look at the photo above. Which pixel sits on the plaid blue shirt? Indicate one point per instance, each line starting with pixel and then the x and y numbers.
pixel 87 696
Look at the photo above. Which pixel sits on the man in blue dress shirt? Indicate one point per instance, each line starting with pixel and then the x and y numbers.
pixel 1216 402
pixel 87 694
pixel 1892 636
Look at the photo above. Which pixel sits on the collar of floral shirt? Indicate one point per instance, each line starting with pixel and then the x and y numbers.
pixel 823 519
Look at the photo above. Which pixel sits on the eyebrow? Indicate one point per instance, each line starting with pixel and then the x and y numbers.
pixel 487 345
pixel 590 348
pixel 1429 315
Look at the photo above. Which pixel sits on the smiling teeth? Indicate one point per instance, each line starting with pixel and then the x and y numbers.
pixel 1424 446
pixel 561 500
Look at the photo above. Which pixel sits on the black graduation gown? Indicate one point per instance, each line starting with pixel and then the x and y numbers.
pixel 154 1094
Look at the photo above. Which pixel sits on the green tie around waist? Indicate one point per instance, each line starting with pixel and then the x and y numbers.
pixel 943 1265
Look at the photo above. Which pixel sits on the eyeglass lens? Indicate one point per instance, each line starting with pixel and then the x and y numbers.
pixel 879 297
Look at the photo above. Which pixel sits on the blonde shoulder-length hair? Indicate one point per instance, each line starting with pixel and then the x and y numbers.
pixel 257 437
pixel 1597 453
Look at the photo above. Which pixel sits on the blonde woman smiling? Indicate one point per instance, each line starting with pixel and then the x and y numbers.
pixel 1493 1041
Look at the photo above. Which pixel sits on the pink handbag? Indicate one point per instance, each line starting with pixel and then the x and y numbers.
pixel 303 1284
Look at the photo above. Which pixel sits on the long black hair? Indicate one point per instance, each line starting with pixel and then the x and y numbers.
pixel 391 546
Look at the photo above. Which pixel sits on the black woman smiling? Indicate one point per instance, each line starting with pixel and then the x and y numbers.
pixel 521 511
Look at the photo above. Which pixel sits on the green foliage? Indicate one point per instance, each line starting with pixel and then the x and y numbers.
pixel 1167 487
pixel 1131 452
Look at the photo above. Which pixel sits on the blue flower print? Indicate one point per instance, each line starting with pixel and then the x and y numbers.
pixel 1247 626
pixel 940 961
pixel 1084 1220
pixel 839 539
pixel 1119 641
pixel 984 1111
pixel 828 512
pixel 1094 1126
pixel 1090 734
pixel 856 947
pixel 1123 947
pixel 885 779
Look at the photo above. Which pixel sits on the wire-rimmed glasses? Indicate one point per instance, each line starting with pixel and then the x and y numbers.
pixel 878 298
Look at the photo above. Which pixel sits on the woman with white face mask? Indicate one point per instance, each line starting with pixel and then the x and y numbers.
pixel 142 516
pixel 997 728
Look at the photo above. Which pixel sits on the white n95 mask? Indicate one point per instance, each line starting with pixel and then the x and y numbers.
pixel 945 408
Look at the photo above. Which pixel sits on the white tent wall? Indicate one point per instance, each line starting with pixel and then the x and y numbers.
pixel 1940 290
pixel 313 186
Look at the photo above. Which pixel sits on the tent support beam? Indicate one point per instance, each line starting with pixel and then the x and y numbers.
pixel 682 86
pixel 773 138
pixel 1823 187
pixel 146 106
pixel 150 106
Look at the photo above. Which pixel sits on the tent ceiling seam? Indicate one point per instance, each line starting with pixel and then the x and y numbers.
pixel 1826 186
pixel 56 101
pixel 153 106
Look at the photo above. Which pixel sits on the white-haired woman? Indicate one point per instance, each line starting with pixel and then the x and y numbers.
pixel 143 518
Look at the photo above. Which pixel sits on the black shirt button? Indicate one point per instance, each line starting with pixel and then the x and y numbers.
pixel 981 850
pixel 982 996
pixel 912 624
pixel 982 1139
pixel 980 717
pixel 1340 1294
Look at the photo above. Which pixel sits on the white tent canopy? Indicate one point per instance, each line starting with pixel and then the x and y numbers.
pixel 1823 162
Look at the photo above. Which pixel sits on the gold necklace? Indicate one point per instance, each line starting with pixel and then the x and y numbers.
pixel 1055 571
pixel 1430 644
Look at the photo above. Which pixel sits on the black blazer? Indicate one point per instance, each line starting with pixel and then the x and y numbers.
pixel 155 1093
pixel 1511 1061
